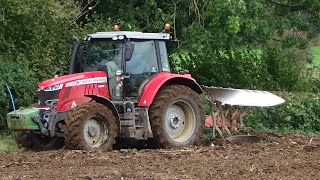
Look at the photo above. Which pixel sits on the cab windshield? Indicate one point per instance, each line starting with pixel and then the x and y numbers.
pixel 103 53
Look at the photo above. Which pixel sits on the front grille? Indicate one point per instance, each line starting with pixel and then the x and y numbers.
pixel 44 96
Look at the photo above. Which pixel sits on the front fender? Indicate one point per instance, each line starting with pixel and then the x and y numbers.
pixel 164 79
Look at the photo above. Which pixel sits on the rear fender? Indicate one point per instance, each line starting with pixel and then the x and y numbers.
pixel 164 79
pixel 109 104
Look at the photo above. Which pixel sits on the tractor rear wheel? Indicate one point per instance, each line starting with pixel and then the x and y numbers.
pixel 176 117
pixel 91 126
pixel 37 142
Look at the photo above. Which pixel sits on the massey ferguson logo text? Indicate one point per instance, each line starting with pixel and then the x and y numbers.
pixel 87 81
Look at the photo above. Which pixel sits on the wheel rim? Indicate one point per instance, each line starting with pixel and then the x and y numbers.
pixel 95 132
pixel 180 121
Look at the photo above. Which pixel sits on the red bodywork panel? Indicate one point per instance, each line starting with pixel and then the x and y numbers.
pixel 77 86
pixel 151 89
pixel 69 78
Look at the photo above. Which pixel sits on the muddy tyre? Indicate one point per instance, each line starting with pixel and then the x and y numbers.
pixel 90 126
pixel 36 142
pixel 176 117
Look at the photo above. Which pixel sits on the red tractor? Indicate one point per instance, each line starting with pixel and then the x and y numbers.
pixel 119 87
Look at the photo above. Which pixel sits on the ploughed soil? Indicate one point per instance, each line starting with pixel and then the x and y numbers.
pixel 275 157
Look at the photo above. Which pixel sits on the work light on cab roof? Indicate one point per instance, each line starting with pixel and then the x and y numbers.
pixel 167 27
pixel 115 27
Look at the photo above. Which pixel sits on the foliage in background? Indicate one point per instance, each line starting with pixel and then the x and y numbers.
pixel 19 78
pixel 246 44
pixel 316 52
pixel 35 39
pixel 300 113
pixel 240 43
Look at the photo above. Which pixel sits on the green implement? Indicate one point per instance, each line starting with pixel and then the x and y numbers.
pixel 21 119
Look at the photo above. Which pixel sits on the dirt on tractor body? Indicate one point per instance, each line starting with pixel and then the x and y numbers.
pixel 280 157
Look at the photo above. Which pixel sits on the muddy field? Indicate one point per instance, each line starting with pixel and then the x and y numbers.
pixel 279 157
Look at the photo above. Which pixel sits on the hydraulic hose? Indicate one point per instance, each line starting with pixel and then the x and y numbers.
pixel 11 97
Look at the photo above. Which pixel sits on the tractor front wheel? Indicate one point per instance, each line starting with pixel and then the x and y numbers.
pixel 176 117
pixel 91 126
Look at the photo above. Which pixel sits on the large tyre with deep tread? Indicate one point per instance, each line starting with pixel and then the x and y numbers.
pixel 176 117
pixel 37 142
pixel 91 126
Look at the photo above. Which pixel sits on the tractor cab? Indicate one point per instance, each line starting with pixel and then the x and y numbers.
pixel 130 60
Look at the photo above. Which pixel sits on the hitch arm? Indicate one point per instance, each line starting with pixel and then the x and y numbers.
pixel 43 130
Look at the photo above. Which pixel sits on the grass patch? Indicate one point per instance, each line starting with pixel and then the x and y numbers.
pixel 7 143
pixel 316 55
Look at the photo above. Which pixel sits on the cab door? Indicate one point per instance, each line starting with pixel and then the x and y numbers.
pixel 142 66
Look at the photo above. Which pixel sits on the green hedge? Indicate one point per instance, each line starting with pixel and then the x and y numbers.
pixel 35 39
pixel 21 83
pixel 300 113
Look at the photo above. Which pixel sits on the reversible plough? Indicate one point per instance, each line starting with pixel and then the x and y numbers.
pixel 229 106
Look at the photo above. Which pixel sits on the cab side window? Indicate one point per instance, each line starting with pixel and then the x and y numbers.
pixel 164 56
pixel 144 59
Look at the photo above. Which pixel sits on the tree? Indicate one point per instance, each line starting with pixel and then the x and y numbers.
pixel 34 40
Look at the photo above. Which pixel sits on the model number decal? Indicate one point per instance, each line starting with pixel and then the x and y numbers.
pixel 87 81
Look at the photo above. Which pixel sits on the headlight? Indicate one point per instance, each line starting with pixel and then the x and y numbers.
pixel 120 37
pixel 53 88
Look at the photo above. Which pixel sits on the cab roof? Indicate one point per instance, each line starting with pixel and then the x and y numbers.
pixel 130 35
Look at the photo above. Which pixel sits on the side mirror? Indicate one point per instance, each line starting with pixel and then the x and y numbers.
pixel 129 48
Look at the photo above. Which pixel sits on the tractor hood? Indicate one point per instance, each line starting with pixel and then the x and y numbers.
pixel 69 78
